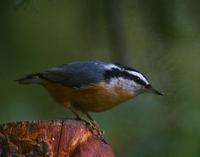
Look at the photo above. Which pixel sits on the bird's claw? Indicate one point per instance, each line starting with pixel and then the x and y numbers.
pixel 94 128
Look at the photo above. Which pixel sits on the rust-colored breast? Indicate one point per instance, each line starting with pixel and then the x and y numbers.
pixel 96 97
pixel 60 93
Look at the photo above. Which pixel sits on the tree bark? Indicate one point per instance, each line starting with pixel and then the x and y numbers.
pixel 56 138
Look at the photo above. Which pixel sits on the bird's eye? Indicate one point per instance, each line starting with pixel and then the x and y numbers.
pixel 139 81
pixel 137 78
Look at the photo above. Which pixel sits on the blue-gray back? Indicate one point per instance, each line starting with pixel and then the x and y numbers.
pixel 76 74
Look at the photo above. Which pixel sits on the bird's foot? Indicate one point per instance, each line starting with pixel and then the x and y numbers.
pixel 97 128
pixel 94 128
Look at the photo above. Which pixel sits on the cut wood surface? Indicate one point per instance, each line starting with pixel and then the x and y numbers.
pixel 56 138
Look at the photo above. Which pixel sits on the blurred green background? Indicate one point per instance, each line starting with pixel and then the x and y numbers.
pixel 161 38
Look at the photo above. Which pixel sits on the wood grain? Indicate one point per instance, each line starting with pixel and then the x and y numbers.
pixel 51 138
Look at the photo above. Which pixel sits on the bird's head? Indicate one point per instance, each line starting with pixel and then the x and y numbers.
pixel 129 79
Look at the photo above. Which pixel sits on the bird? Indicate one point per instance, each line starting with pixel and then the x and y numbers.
pixel 91 86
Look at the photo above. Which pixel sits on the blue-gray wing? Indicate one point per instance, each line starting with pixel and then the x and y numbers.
pixel 76 74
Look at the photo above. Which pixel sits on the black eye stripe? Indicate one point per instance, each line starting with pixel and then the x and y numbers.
pixel 114 72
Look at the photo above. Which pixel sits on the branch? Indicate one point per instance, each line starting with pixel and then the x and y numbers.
pixel 56 138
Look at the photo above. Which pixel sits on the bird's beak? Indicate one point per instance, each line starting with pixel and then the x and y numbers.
pixel 154 91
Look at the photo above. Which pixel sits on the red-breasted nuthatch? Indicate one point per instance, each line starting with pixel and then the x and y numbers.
pixel 91 86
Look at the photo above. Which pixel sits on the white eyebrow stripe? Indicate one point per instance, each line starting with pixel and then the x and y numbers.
pixel 110 66
pixel 139 75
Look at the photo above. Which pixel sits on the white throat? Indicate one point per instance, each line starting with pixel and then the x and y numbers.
pixel 127 85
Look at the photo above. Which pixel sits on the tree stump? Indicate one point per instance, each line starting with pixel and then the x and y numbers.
pixel 51 138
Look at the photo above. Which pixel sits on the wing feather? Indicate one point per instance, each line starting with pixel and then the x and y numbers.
pixel 77 74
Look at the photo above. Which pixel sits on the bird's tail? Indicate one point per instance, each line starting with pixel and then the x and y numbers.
pixel 30 79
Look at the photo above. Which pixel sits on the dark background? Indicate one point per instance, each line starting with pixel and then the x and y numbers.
pixel 161 38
